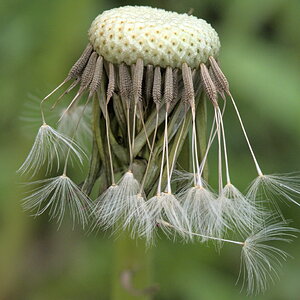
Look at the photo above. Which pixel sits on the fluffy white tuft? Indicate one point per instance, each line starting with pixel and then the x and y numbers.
pixel 49 146
pixel 118 202
pixel 167 208
pixel 198 206
pixel 260 261
pixel 276 187
pixel 239 210
pixel 59 194
pixel 106 210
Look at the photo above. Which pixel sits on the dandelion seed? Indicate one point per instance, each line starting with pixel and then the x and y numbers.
pixel 260 261
pixel 241 211
pixel 57 195
pixel 49 146
pixel 166 207
pixel 106 210
pixel 118 202
pixel 276 187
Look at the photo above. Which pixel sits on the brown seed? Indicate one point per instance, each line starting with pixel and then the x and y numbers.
pixel 88 72
pixel 156 91
pixel 168 85
pixel 111 82
pixel 96 81
pixel 189 94
pixel 175 83
pixel 219 75
pixel 125 82
pixel 78 67
pixel 149 82
pixel 138 80
pixel 216 83
pixel 208 84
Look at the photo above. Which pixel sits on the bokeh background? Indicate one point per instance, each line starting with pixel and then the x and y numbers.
pixel 39 40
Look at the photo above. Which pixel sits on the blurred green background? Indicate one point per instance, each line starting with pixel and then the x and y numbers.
pixel 39 40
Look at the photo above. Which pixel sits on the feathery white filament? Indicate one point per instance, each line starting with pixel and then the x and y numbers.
pixel 239 210
pixel 259 260
pixel 166 207
pixel 49 145
pixel 118 202
pixel 198 206
pixel 59 194
pixel 275 187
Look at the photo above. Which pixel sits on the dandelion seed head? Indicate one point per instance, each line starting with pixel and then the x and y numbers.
pixel 159 37
pixel 164 62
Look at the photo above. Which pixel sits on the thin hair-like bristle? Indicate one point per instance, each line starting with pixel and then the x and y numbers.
pixel 76 70
pixel 209 87
pixel 187 78
pixel 149 82
pixel 80 64
pixel 49 146
pixel 57 195
pixel 111 82
pixel 68 90
pixel 219 75
pixel 125 82
pixel 71 87
pixel 96 81
pixel 156 91
pixel 138 80
pixel 168 94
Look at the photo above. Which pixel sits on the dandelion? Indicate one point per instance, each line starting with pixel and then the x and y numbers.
pixel 259 258
pixel 142 80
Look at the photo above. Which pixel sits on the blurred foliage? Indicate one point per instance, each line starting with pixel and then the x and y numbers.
pixel 39 40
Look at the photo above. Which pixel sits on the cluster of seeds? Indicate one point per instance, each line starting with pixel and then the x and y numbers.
pixel 145 70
